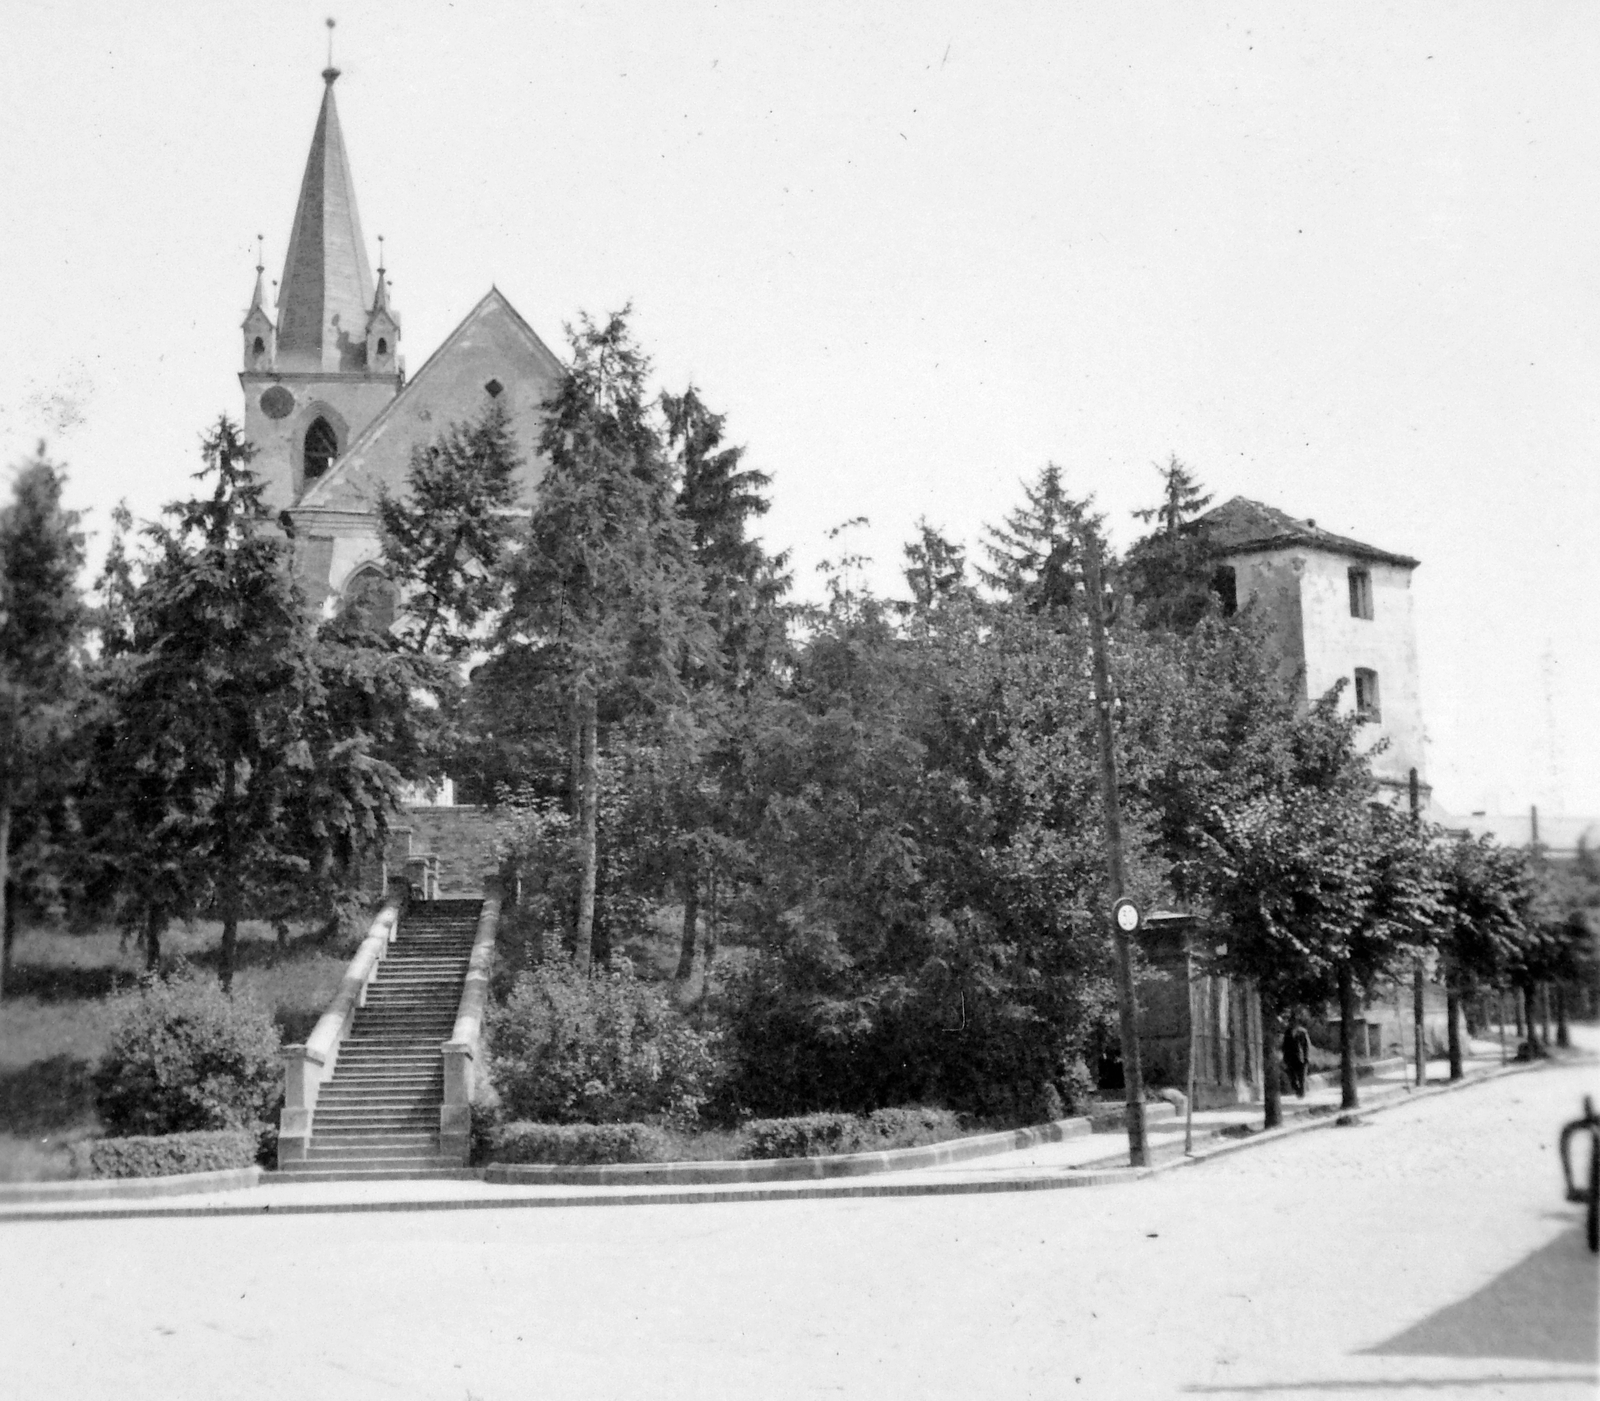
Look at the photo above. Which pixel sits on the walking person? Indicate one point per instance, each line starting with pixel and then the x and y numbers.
pixel 1296 1054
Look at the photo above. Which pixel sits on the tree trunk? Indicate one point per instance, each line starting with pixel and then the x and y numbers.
pixel 1544 1012
pixel 153 922
pixel 1527 1016
pixel 1347 1038
pixel 1271 1061
pixel 7 915
pixel 1516 1011
pixel 588 823
pixel 228 879
pixel 710 941
pixel 1418 1032
pixel 1563 1035
pixel 1452 1017
pixel 691 915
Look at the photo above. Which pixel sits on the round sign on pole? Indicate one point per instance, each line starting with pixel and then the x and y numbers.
pixel 1126 915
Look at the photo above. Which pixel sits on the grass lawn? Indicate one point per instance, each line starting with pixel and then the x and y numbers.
pixel 54 1021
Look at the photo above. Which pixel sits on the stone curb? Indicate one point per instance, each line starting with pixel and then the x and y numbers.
pixel 181 1184
pixel 1039 1180
pixel 957 1150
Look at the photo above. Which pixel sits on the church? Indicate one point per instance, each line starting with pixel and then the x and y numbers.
pixel 327 401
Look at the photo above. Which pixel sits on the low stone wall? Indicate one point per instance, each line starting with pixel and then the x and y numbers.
pixel 459 840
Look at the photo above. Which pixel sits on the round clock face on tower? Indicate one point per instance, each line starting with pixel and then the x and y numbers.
pixel 277 402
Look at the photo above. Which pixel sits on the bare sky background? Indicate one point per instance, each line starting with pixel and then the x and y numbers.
pixel 1339 258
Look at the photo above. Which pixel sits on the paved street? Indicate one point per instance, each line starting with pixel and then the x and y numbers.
pixel 1427 1252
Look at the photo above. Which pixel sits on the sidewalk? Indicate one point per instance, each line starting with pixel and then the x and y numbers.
pixel 1099 1159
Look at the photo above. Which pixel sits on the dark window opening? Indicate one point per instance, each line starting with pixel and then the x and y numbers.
pixel 322 446
pixel 494 388
pixel 259 346
pixel 383 346
pixel 1225 585
pixel 1360 593
pixel 1367 694
pixel 371 597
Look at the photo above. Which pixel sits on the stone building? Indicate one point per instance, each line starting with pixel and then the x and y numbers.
pixel 1339 609
pixel 327 401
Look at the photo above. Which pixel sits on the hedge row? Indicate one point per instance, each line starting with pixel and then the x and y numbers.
pixel 576 1144
pixel 810 1135
pixel 164 1155
pixel 820 1135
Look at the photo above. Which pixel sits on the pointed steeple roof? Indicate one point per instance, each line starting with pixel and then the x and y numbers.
pixel 322 302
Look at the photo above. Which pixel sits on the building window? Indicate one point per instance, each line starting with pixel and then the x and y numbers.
pixel 260 346
pixel 372 598
pixel 493 388
pixel 1367 694
pixel 1225 585
pixel 1360 593
pixel 383 346
pixel 322 446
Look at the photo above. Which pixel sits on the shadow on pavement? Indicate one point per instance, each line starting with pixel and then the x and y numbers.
pixel 1390 1386
pixel 1543 1308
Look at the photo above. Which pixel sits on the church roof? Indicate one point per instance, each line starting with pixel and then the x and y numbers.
pixel 1242 526
pixel 322 301
pixel 493 346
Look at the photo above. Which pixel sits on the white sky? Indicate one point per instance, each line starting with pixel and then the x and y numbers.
pixel 1340 258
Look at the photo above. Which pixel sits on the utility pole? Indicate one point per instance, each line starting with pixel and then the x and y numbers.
pixel 1416 965
pixel 1127 1012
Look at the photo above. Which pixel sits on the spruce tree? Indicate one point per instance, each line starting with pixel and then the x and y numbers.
pixel 1169 570
pixel 446 541
pixel 225 782
pixel 1036 554
pixel 606 606
pixel 42 625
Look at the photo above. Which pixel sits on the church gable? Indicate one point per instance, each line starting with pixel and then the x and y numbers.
pixel 493 353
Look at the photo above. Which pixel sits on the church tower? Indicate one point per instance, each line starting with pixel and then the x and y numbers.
pixel 329 365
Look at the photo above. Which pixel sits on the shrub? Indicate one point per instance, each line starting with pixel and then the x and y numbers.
pixel 909 1128
pixel 817 1135
pixel 182 1055
pixel 164 1155
pixel 576 1143
pixel 566 1048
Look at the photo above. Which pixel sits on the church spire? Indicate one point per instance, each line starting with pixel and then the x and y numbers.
pixel 322 303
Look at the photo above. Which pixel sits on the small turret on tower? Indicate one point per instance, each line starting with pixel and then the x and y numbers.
pixel 383 325
pixel 260 335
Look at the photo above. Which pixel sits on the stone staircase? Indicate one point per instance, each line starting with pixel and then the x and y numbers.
pixel 377 1116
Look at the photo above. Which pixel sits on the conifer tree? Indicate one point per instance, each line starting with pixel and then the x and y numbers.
pixel 447 540
pixel 743 587
pixel 42 624
pixel 1036 554
pixel 606 602
pixel 223 777
pixel 1169 570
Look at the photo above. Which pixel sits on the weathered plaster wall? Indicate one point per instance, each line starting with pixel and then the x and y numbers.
pixel 1305 596
pixel 348 402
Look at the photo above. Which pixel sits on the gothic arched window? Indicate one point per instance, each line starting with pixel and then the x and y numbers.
pixel 374 596
pixel 322 446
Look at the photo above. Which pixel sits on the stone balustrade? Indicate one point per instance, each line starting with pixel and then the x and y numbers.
pixel 306 1067
pixel 462 1050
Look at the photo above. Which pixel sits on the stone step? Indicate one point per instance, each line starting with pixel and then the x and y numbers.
pixel 297 1172
pixel 415 1145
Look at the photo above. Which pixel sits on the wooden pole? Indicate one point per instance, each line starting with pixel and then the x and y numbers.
pixel 1127 1010
pixel 1188 1112
pixel 1416 964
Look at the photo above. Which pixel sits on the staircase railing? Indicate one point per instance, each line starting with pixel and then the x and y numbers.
pixel 306 1067
pixel 462 1050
